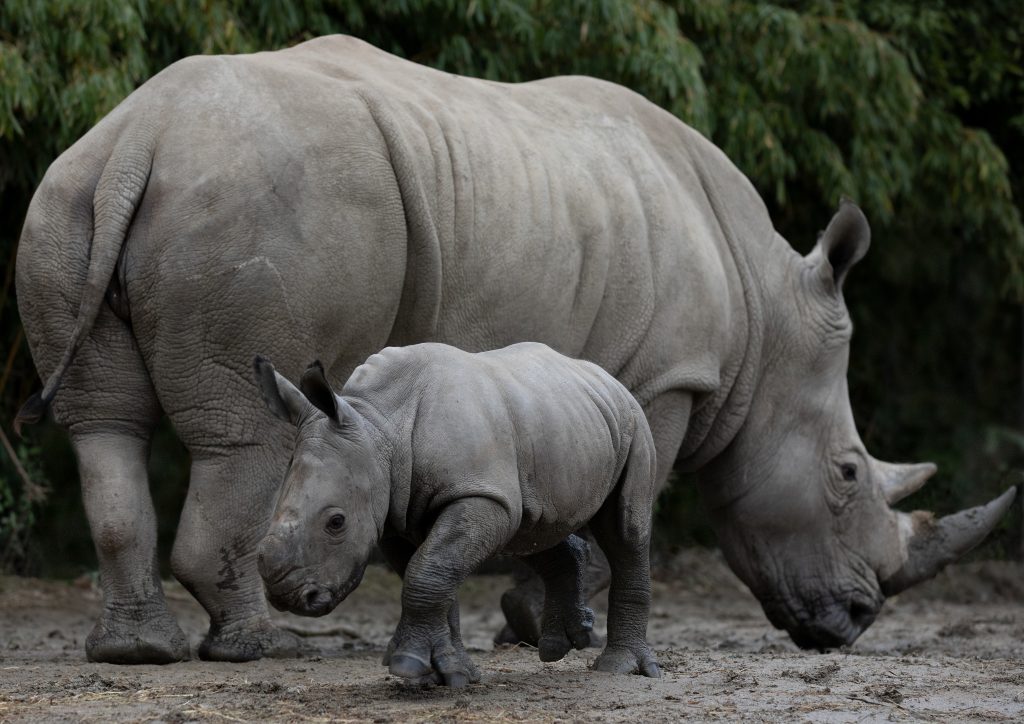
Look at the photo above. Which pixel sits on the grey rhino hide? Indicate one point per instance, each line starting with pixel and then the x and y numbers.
pixel 447 458
pixel 331 199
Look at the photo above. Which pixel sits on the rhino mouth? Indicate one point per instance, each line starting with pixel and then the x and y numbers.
pixel 310 598
pixel 830 627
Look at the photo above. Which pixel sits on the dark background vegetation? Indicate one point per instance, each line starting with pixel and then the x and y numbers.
pixel 913 109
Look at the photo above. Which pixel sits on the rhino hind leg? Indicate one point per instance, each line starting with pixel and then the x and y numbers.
pixel 523 605
pixel 224 517
pixel 109 407
pixel 135 626
pixel 623 528
pixel 567 622
pixel 629 602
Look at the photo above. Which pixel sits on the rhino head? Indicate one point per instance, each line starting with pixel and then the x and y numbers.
pixel 332 506
pixel 801 509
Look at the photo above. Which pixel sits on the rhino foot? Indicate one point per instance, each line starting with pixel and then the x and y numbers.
pixel 420 661
pixel 523 607
pixel 263 640
pixel 628 660
pixel 572 631
pixel 138 639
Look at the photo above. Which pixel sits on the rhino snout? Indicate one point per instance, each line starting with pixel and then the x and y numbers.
pixel 840 624
pixel 273 560
pixel 314 600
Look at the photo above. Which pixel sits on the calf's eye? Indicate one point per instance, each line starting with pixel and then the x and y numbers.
pixel 335 523
pixel 848 471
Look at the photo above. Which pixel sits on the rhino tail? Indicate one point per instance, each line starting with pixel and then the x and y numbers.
pixel 118 193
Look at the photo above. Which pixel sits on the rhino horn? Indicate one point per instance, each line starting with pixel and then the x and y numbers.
pixel 899 481
pixel 931 544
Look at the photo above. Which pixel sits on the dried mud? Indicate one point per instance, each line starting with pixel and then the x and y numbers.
pixel 952 649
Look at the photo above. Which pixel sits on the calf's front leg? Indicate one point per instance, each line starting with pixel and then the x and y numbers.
pixel 398 553
pixel 465 534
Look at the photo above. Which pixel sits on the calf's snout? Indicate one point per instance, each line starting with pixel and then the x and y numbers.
pixel 272 559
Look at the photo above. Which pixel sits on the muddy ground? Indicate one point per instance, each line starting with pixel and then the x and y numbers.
pixel 952 649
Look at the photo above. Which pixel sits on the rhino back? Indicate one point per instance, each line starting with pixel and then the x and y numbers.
pixel 564 211
pixel 569 211
pixel 544 435
pixel 329 199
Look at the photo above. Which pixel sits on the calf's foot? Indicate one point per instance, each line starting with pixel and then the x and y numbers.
pixel 144 635
pixel 572 629
pixel 248 642
pixel 635 659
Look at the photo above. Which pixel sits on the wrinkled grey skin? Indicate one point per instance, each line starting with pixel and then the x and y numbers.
pixel 448 458
pixel 330 200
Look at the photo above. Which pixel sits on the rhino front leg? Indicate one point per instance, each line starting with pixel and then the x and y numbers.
pixel 567 621
pixel 398 553
pixel 225 516
pixel 465 534
pixel 135 627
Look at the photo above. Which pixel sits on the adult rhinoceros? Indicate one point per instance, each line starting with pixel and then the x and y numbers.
pixel 334 197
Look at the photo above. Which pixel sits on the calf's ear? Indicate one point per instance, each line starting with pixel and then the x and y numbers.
pixel 281 396
pixel 844 242
pixel 317 389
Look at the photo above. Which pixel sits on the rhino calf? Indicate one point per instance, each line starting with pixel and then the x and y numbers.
pixel 446 458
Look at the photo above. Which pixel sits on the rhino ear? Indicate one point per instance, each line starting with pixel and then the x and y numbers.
pixel 281 396
pixel 317 389
pixel 844 242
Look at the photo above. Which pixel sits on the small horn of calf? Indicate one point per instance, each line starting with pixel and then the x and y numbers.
pixel 932 544
pixel 899 481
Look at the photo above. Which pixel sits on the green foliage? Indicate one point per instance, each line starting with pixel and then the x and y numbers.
pixel 18 507
pixel 915 109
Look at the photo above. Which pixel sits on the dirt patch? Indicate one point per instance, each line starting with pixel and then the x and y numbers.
pixel 952 649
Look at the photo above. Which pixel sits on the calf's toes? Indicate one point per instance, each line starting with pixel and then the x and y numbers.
pixel 562 635
pixel 628 660
pixel 581 628
pixel 429 661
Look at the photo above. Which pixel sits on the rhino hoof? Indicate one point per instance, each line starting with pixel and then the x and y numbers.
pixel 149 641
pixel 628 660
pixel 408 666
pixel 248 644
pixel 456 671
pixel 579 634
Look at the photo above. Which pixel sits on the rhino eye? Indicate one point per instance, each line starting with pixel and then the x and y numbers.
pixel 335 523
pixel 848 471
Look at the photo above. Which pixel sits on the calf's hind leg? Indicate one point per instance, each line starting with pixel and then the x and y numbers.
pixel 567 622
pixel 623 529
pixel 629 601
pixel 668 415
pixel 523 605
